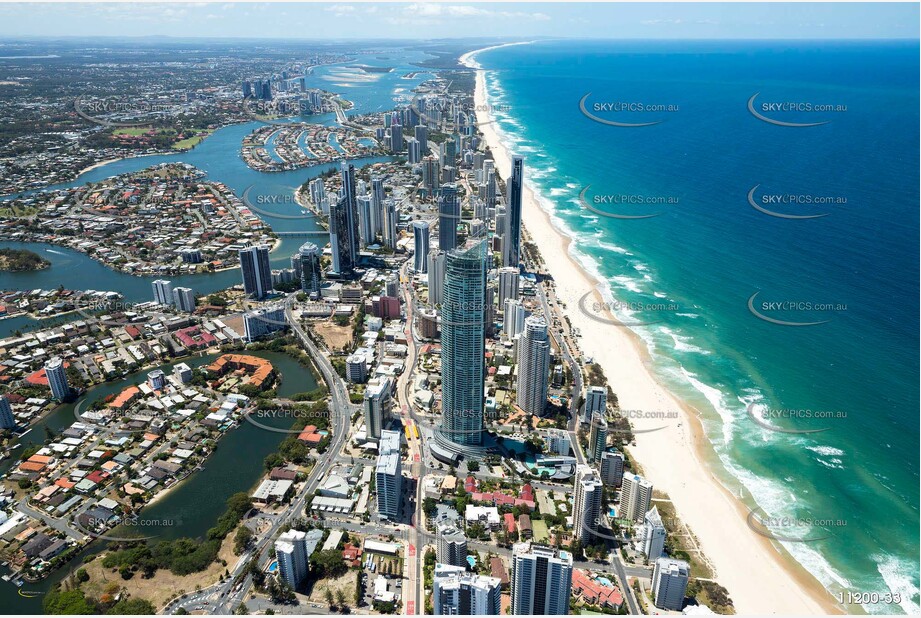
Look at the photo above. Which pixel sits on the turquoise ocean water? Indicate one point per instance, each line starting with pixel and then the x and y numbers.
pixel 709 250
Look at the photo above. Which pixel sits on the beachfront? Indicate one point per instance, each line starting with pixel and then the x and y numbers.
pixel 767 580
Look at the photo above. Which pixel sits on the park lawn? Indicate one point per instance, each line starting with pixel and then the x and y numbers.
pixel 132 131
pixel 163 586
pixel 191 142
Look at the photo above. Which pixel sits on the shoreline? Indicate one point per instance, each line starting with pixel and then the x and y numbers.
pixel 769 576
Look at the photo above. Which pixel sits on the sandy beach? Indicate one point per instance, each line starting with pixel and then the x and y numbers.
pixel 760 578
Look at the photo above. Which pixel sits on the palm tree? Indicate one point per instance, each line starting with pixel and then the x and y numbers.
pixel 329 598
pixel 340 598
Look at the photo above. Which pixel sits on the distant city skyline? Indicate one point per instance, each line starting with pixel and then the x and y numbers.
pixel 360 20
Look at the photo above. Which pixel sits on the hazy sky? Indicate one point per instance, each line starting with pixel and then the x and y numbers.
pixel 469 19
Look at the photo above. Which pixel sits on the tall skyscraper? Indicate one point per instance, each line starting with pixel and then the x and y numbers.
pixel 449 215
pixel 184 299
pixel 455 592
pixel 513 318
pixel 586 510
pixel 388 475
pixel 595 401
pixel 421 246
pixel 365 220
pixel 339 237
pixel 512 235
pixel 635 497
pixel 377 407
pixel 422 136
pixel 291 553
pixel 508 284
pixel 310 268
pixel 57 378
pixel 413 151
pixel 391 219
pixel 652 536
pixel 669 583
pixel 452 546
pixel 463 335
pixel 431 178
pixel 163 292
pixel 541 580
pixel 377 203
pixel 8 421
pixel 597 437
pixel 349 238
pixel 257 271
pixel 533 366
pixel 436 277
pixel 612 468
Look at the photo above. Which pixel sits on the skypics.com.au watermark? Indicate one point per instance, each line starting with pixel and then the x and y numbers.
pixel 792 529
pixel 761 415
pixel 602 201
pixel 259 203
pixel 771 112
pixel 605 111
pixel 783 309
pixel 603 311
pixel 771 203
pixel 125 112
pixel 259 418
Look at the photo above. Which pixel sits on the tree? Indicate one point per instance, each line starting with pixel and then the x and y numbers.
pixel 328 563
pixel 329 598
pixel 242 539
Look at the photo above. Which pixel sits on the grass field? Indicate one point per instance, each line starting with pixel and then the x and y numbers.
pixel 18 211
pixel 540 531
pixel 191 142
pixel 132 131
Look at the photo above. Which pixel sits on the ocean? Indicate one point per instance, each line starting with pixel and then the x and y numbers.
pixel 717 281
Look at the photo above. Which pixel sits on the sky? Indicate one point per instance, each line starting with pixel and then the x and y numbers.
pixel 428 20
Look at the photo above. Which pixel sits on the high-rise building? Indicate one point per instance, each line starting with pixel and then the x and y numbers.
pixel 541 580
pixel 422 136
pixel 291 553
pixel 377 407
pixel 263 321
pixel 339 236
pixel 455 592
pixel 348 232
pixel 463 339
pixel 257 271
pixel 431 178
pixel 184 299
pixel 163 292
pixel 8 421
pixel 513 318
pixel 449 215
pixel 533 366
pixel 586 510
pixel 452 546
pixel 377 204
pixel 365 220
pixel 652 536
pixel 421 245
pixel 309 267
pixel 436 277
pixel 508 284
pixel 669 583
pixel 391 219
pixel 595 401
pixel 597 437
pixel 57 378
pixel 388 475
pixel 612 468
pixel 512 234
pixel 413 151
pixel 635 497
pixel 396 136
